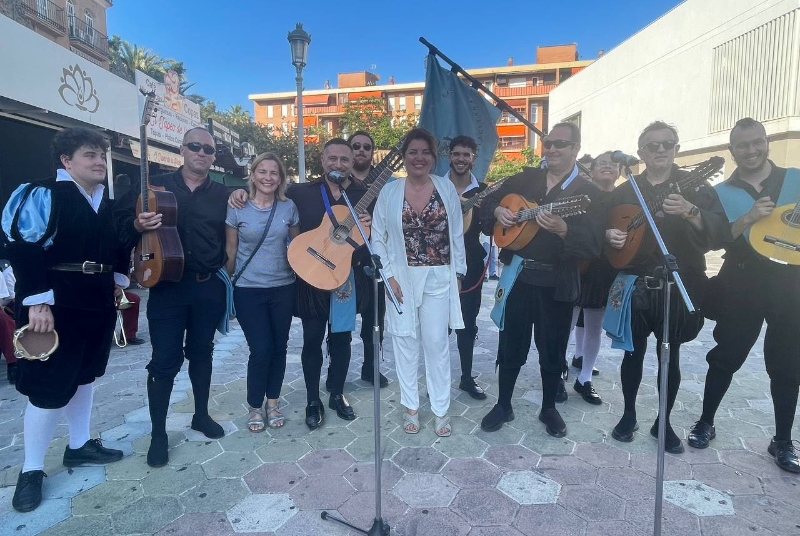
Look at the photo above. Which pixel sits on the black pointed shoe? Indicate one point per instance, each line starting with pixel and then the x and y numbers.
pixel 701 435
pixel 28 494
pixel 368 375
pixel 207 426
pixel 561 392
pixel 588 393
pixel 315 414
pixel 92 452
pixel 553 422
pixel 625 428
pixel 673 443
pixel 496 417
pixel 472 389
pixel 342 407
pixel 785 454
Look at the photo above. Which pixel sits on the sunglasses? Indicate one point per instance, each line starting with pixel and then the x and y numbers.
pixel 357 146
pixel 197 147
pixel 654 145
pixel 558 144
pixel 458 154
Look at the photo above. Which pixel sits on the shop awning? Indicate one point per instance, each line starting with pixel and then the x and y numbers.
pixel 364 95
pixel 314 100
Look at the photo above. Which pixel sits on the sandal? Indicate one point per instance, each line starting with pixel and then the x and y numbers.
pixel 443 423
pixel 275 417
pixel 411 425
pixel 255 420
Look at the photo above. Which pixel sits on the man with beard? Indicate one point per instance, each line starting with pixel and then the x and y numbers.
pixel 462 158
pixel 754 289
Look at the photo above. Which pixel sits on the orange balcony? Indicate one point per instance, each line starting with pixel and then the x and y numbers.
pixel 525 91
pixel 511 129
pixel 324 110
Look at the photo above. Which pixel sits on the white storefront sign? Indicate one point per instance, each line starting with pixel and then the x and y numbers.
pixel 174 114
pixel 158 156
pixel 40 73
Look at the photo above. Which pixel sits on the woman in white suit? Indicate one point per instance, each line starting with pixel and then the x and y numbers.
pixel 417 229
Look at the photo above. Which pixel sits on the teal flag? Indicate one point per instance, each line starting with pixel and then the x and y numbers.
pixel 451 108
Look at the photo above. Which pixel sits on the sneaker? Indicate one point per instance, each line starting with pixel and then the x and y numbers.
pixel 553 422
pixel 672 443
pixel 561 393
pixel 626 427
pixel 496 417
pixel 92 452
pixel 701 434
pixel 472 389
pixel 785 454
pixel 28 494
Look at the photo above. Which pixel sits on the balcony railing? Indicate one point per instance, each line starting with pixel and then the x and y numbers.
pixel 320 110
pixel 88 36
pixel 45 11
pixel 524 91
pixel 511 144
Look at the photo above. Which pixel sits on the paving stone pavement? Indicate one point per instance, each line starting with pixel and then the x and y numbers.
pixel 514 482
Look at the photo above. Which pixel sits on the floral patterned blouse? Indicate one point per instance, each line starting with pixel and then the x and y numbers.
pixel 426 234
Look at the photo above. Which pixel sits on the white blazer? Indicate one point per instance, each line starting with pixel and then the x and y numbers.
pixel 388 241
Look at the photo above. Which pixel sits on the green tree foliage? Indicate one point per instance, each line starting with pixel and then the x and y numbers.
pixel 504 166
pixel 370 114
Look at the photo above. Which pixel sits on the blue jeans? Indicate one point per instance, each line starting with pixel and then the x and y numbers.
pixel 265 315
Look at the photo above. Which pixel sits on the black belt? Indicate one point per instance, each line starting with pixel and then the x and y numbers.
pixel 530 264
pixel 86 267
pixel 200 277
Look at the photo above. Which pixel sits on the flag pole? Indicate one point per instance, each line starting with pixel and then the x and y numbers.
pixel 498 102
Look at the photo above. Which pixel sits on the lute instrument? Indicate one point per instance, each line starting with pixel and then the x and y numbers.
pixel 519 235
pixel 640 242
pixel 468 204
pixel 159 254
pixel 777 237
pixel 323 256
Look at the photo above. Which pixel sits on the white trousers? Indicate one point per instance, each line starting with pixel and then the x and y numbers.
pixel 431 297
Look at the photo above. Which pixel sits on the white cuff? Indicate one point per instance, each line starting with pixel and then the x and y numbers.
pixel 39 299
pixel 121 280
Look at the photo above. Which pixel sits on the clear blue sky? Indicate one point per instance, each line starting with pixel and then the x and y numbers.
pixel 232 48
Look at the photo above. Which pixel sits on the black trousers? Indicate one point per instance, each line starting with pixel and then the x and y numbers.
pixel 265 315
pixel 470 307
pixel 532 311
pixel 311 357
pixel 182 317
pixel 367 322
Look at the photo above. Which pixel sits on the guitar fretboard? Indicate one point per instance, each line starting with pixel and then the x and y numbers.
pixel 567 207
pixel 382 173
pixel 467 204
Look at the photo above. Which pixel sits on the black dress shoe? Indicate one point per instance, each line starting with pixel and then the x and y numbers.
pixel 588 393
pixel 28 494
pixel 315 412
pixel 158 453
pixel 673 443
pixel 136 341
pixel 472 389
pixel 701 434
pixel 625 428
pixel 577 362
pixel 207 426
pixel 494 420
pixel 12 373
pixel 561 393
pixel 92 451
pixel 342 407
pixel 553 422
pixel 785 454
pixel 368 376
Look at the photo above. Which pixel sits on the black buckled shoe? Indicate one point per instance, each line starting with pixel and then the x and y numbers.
pixel 92 452
pixel 368 375
pixel 207 426
pixel 342 407
pixel 701 435
pixel 553 422
pixel 28 494
pixel 626 427
pixel 785 454
pixel 472 389
pixel 673 443
pixel 588 393
pixel 315 413
pixel 494 420
pixel 561 392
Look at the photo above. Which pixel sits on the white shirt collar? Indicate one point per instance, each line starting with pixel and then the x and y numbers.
pixel 96 196
pixel 472 184
pixel 570 178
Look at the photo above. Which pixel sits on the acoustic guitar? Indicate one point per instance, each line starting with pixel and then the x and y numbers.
pixel 777 237
pixel 640 242
pixel 467 205
pixel 518 236
pixel 322 257
pixel 159 254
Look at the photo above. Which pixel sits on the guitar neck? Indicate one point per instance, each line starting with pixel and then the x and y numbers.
pixel 382 174
pixel 472 201
pixel 144 169
pixel 557 208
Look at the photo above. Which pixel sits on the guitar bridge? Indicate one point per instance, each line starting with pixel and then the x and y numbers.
pixel 321 258
pixel 781 244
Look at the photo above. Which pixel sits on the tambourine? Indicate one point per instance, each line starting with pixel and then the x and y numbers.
pixel 34 346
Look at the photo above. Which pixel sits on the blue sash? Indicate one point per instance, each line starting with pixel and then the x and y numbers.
pixel 504 286
pixel 342 314
pixel 617 318
pixel 224 325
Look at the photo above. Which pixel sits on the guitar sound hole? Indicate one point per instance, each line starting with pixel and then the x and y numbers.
pixel 785 219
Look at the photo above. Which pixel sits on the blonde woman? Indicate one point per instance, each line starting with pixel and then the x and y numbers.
pixel 256 239
pixel 417 230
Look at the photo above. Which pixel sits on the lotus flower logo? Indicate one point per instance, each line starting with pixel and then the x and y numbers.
pixel 78 90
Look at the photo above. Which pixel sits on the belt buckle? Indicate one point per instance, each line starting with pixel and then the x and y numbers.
pixel 86 270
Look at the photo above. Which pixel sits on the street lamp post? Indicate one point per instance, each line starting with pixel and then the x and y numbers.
pixel 299 40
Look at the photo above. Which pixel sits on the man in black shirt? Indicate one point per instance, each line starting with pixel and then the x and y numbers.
pixel 753 289
pixel 188 310
pixel 543 294
pixel 691 224
pixel 462 158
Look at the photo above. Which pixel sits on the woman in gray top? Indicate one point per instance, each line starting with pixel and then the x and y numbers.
pixel 256 240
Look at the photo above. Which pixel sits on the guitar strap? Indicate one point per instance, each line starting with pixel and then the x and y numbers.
pixel 332 216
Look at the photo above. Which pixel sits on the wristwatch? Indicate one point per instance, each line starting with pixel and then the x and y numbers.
pixel 693 213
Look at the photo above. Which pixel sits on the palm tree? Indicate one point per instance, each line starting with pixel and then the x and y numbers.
pixel 126 59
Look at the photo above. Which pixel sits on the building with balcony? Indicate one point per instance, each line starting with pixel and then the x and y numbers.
pixel 524 87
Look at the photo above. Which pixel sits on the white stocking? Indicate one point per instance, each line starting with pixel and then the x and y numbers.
pixel 78 411
pixel 39 425
pixel 592 335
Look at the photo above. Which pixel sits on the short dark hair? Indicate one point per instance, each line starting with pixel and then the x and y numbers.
pixel 746 122
pixel 586 159
pixel 657 125
pixel 361 133
pixel 575 132
pixel 421 134
pixel 336 141
pixel 464 141
pixel 70 140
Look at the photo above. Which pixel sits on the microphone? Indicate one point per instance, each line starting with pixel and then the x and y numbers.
pixel 618 157
pixel 337 177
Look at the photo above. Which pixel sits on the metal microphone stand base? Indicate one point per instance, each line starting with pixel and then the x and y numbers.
pixel 379 526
